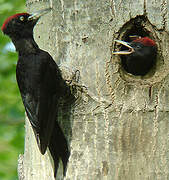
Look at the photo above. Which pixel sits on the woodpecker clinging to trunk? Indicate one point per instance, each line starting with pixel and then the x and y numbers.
pixel 41 85
pixel 140 55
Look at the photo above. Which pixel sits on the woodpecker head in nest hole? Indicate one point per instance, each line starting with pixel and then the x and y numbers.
pixel 138 56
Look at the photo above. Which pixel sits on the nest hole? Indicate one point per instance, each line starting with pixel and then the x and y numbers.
pixel 135 27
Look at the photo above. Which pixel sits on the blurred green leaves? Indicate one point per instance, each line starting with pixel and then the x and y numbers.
pixel 11 108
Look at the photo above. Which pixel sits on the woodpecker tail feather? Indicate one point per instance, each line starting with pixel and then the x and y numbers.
pixel 58 148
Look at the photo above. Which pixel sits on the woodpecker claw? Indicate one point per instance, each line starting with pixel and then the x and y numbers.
pixel 126 52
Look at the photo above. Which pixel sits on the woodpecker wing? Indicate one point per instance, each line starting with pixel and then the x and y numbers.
pixel 38 80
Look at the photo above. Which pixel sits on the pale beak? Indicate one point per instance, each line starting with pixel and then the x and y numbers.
pixel 125 52
pixel 38 14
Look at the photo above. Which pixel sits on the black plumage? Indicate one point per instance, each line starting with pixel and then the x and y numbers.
pixel 138 56
pixel 41 86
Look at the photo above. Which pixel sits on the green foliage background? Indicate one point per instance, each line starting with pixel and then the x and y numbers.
pixel 11 108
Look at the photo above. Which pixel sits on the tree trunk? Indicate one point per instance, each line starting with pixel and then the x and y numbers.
pixel 119 127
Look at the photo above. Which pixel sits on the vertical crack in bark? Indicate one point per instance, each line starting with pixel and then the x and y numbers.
pixel 62 7
pixel 165 140
pixel 154 134
pixel 113 7
pixel 98 90
pixel 145 7
pixel 161 165
pixel 51 3
pixel 85 132
pixel 164 158
pixel 108 81
pixel 95 142
pixel 164 13
pixel 128 144
pixel 97 82
pixel 106 133
pixel 119 144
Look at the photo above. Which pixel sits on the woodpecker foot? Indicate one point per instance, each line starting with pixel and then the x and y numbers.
pixel 74 78
pixel 74 84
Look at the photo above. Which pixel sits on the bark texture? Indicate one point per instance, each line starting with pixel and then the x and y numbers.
pixel 119 128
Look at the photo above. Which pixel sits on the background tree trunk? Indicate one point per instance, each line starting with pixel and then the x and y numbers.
pixel 120 126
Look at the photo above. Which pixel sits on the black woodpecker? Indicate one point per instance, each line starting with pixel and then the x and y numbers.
pixel 138 56
pixel 41 85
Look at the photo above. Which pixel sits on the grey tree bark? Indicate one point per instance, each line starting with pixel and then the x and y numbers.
pixel 119 127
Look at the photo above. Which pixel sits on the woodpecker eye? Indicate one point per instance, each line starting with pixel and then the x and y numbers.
pixel 137 47
pixel 22 18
